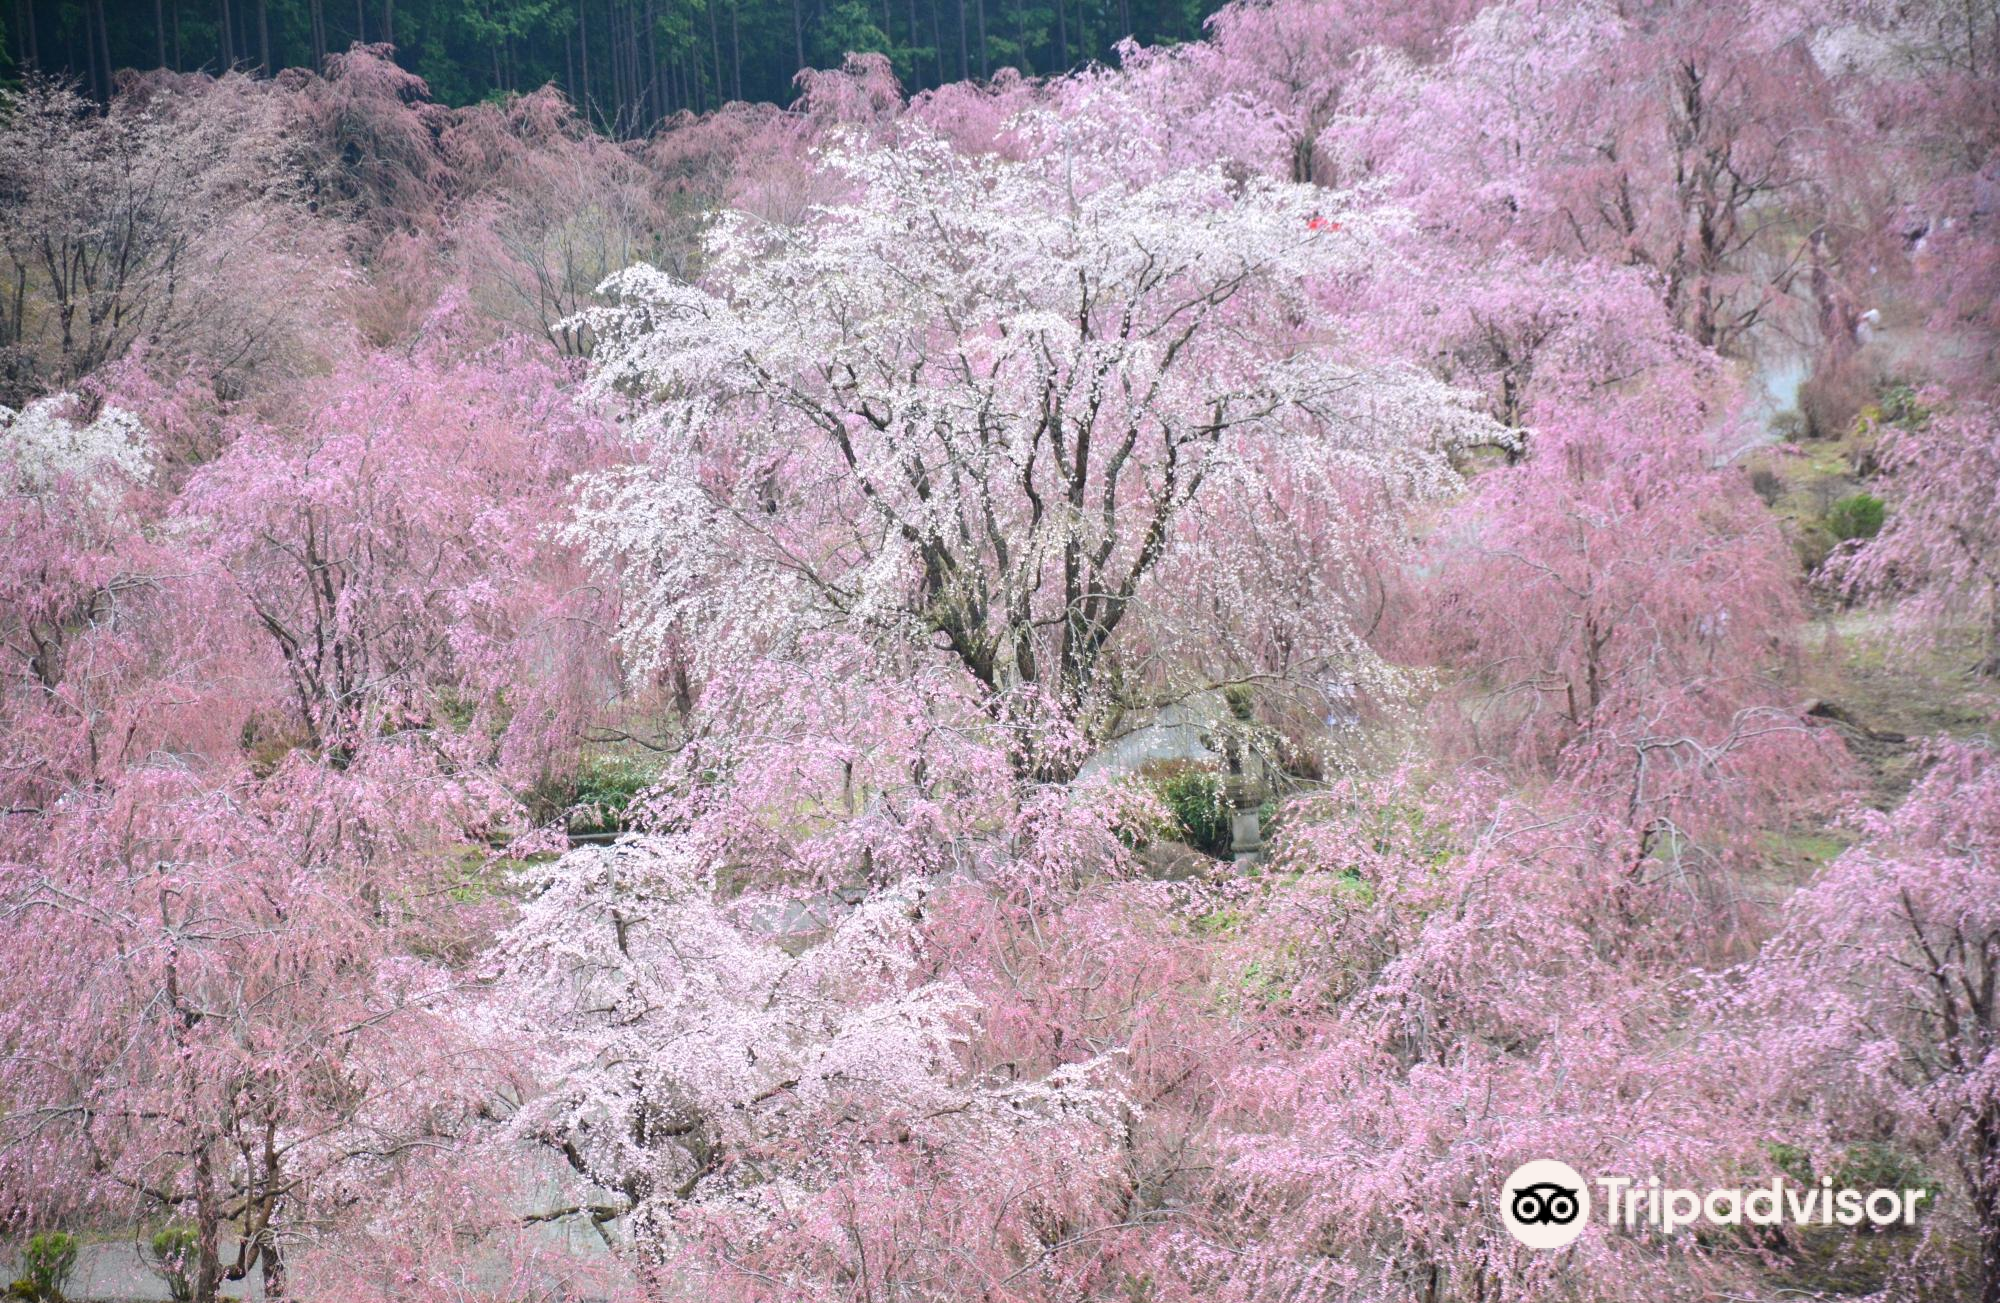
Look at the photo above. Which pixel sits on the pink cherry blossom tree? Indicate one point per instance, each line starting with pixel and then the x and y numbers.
pixel 225 1018
pixel 1939 550
pixel 1873 1011
pixel 1622 611
pixel 390 551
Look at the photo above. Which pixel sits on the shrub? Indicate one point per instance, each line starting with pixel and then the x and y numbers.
pixel 1201 816
pixel 1872 1165
pixel 169 1256
pixel 1858 515
pixel 605 791
pixel 1901 406
pixel 48 1262
pixel 1764 482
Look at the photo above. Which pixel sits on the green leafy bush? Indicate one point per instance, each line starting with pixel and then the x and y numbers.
pixel 1201 816
pixel 48 1261
pixel 1900 406
pixel 170 1256
pixel 1858 515
pixel 1875 1166
pixel 604 793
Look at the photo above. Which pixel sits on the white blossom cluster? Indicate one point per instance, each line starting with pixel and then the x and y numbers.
pixel 45 448
pixel 696 1044
pixel 983 400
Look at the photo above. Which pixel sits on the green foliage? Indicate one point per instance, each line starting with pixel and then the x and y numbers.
pixel 1859 515
pixel 1870 1165
pixel 636 63
pixel 1900 407
pixel 1792 1160
pixel 48 1261
pixel 1876 1166
pixel 1201 816
pixel 601 801
pixel 170 1256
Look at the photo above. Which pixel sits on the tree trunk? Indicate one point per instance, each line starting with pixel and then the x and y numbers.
pixel 656 83
pixel 207 1234
pixel 611 46
pixel 583 53
pixel 264 35
pixel 103 43
pixel 159 28
pixel 985 71
pixel 937 43
pixel 361 21
pixel 714 47
pixel 1982 1171
pixel 24 22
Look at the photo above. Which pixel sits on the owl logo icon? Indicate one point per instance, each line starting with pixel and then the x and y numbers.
pixel 1545 1204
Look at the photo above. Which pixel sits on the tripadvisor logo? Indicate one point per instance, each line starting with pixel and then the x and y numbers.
pixel 1546 1204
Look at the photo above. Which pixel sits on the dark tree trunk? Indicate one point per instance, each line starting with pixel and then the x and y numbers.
pixel 103 43
pixel 611 48
pixel 389 21
pixel 937 42
pixel 657 81
pixel 24 23
pixel 361 21
pixel 159 29
pixel 714 46
pixel 583 53
pixel 985 69
pixel 735 51
pixel 264 35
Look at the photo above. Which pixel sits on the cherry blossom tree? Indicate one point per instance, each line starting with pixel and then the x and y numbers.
pixel 66 512
pixel 1873 1011
pixel 261 730
pixel 1623 611
pixel 171 218
pixel 979 408
pixel 1938 550
pixel 225 1018
pixel 772 1089
pixel 1686 139
pixel 1440 982
pixel 389 549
